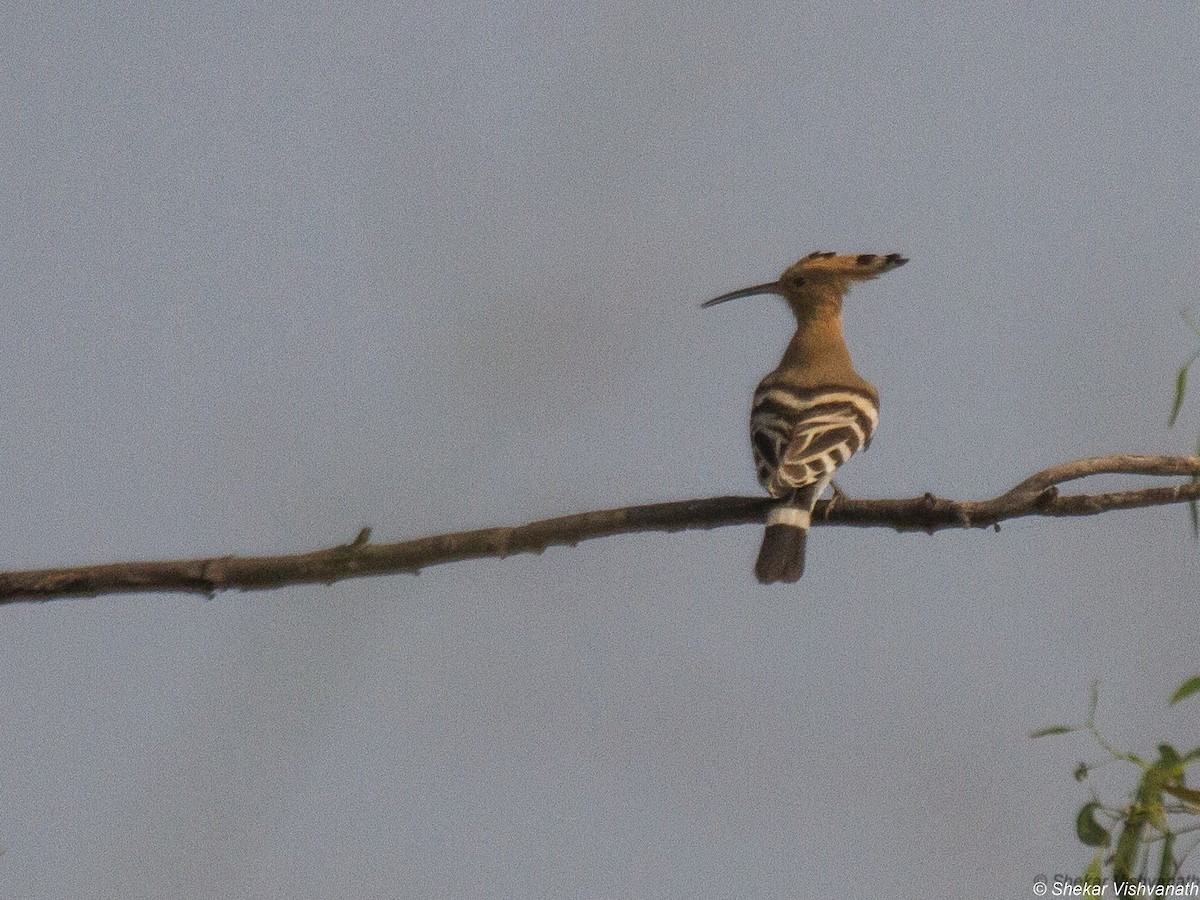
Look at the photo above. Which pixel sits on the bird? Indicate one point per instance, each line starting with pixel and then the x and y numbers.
pixel 814 411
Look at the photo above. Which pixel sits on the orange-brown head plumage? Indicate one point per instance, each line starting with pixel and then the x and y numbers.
pixel 820 280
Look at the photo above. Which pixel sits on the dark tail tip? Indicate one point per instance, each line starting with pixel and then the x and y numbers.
pixel 782 555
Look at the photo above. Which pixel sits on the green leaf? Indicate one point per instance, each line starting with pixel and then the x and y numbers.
pixel 1180 391
pixel 1185 690
pixel 1166 866
pixel 1185 794
pixel 1156 815
pixel 1094 873
pixel 1091 832
pixel 1124 858
pixel 1053 729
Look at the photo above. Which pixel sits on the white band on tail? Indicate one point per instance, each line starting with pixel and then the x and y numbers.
pixel 790 515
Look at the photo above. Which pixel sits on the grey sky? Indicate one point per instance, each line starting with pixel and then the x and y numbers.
pixel 275 271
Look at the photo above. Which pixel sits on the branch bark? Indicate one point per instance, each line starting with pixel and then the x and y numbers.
pixel 1037 495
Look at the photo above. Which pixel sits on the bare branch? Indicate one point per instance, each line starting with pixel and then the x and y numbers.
pixel 1035 496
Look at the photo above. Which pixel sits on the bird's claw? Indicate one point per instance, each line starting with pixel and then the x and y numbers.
pixel 837 495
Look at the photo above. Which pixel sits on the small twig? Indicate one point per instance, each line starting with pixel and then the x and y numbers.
pixel 1035 496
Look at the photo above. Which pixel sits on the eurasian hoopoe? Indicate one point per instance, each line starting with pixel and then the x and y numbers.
pixel 814 411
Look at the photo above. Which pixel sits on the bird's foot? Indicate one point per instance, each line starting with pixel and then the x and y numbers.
pixel 837 494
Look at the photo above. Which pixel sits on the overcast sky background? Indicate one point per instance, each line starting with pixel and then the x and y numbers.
pixel 275 271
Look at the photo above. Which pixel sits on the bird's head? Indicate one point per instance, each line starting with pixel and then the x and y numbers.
pixel 819 279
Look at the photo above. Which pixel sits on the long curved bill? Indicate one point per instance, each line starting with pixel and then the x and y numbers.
pixel 771 287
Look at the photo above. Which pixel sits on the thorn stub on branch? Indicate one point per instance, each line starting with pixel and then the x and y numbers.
pixel 213 573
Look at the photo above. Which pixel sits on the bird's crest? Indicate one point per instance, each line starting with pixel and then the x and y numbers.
pixel 843 268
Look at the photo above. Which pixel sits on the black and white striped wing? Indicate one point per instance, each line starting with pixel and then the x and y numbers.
pixel 800 439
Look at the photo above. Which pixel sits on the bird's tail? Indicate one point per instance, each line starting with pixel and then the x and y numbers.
pixel 782 555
